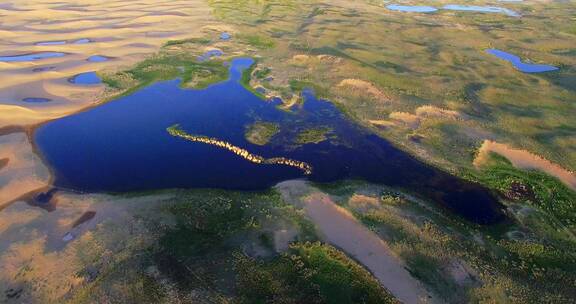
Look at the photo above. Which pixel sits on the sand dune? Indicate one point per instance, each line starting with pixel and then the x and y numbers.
pixel 124 30
pixel 24 171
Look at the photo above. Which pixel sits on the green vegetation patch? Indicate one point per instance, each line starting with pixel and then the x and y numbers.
pixel 212 246
pixel 313 136
pixel 167 66
pixel 530 186
pixel 260 132
pixel 257 41
pixel 308 273
pixel 198 40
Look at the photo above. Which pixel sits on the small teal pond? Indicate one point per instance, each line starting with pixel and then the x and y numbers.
pixel 82 41
pixel 452 7
pixel 411 8
pixel 124 146
pixel 98 58
pixel 482 9
pixel 225 36
pixel 63 42
pixel 87 78
pixel 31 57
pixel 47 43
pixel 521 66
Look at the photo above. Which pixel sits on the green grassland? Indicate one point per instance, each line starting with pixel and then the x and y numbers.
pixel 222 247
pixel 219 245
pixel 427 59
pixel 525 261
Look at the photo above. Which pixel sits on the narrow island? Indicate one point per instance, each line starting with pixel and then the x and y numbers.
pixel 176 131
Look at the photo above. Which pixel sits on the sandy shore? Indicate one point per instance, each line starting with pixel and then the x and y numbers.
pixel 23 171
pixel 55 250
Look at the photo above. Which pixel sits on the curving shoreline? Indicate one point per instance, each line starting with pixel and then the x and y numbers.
pixel 257 159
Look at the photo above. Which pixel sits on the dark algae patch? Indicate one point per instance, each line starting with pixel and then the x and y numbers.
pixel 134 152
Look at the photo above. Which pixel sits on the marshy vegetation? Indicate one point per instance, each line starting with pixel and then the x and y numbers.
pixel 313 136
pixel 225 247
pixel 521 262
pixel 260 132
pixel 167 65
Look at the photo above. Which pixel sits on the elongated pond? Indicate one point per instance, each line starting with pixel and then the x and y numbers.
pixel 127 145
pixel 519 65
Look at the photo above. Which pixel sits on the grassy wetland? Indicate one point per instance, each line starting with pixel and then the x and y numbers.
pixel 190 246
pixel 422 81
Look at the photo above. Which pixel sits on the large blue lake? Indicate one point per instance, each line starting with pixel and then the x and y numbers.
pixel 123 146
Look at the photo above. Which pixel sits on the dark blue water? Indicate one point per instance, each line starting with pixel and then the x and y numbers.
pixel 522 66
pixel 31 57
pixel 123 146
pixel 87 78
